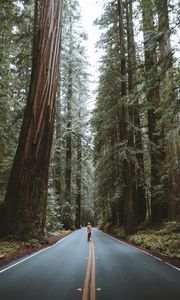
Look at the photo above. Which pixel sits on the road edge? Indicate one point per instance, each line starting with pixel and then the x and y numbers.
pixel 142 250
pixel 21 260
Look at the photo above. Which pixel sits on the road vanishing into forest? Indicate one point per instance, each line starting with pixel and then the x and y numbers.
pixel 103 269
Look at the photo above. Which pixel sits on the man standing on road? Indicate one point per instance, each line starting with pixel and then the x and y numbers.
pixel 89 228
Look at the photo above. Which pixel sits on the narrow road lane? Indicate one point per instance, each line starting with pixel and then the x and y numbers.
pixel 103 269
pixel 54 274
pixel 126 273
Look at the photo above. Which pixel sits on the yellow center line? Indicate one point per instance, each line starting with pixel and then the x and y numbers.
pixel 90 271
pixel 93 282
pixel 86 283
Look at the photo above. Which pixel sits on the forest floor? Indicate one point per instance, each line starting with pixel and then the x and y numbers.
pixel 11 250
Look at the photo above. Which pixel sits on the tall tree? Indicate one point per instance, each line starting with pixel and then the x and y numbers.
pixel 68 174
pixel 25 203
pixel 79 181
pixel 133 102
pixel 124 130
pixel 6 9
pixel 15 48
pixel 70 157
pixel 114 141
pixel 135 122
pixel 169 119
pixel 153 99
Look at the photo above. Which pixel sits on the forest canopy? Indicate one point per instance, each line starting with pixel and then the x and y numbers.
pixel 62 165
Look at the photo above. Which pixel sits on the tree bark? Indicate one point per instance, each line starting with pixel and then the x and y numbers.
pixel 78 181
pixel 69 119
pixel 153 100
pixel 68 222
pixel 135 137
pixel 124 132
pixel 69 139
pixel 169 98
pixel 26 198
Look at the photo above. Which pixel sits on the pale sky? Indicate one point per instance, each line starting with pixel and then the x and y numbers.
pixel 90 10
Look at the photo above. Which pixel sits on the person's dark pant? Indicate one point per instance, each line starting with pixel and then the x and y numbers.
pixel 89 236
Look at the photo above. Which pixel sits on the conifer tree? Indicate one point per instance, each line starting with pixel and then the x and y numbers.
pixel 71 118
pixel 169 168
pixel 16 37
pixel 26 198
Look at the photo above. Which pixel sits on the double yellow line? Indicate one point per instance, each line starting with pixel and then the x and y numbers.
pixel 90 271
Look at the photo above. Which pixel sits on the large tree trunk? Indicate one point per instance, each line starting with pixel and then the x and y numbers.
pixel 68 222
pixel 78 181
pixel 170 165
pixel 25 203
pixel 124 132
pixel 68 174
pixel 114 197
pixel 135 137
pixel 153 99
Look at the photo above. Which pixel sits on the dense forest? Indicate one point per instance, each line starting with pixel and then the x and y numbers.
pixel 136 120
pixel 62 165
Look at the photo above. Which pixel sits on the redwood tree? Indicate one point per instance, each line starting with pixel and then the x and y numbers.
pixel 153 100
pixel 127 167
pixel 25 203
pixel 135 141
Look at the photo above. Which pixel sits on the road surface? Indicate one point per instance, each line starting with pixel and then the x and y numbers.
pixel 103 269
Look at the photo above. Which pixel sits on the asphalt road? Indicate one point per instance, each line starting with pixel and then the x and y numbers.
pixel 103 269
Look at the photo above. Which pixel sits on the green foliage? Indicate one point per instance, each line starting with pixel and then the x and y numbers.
pixel 155 94
pixel 105 226
pixel 71 124
pixel 7 248
pixel 120 232
pixel 106 114
pixel 15 58
pixel 165 241
pixel 116 231
pixel 170 227
pixel 68 215
pixel 53 218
